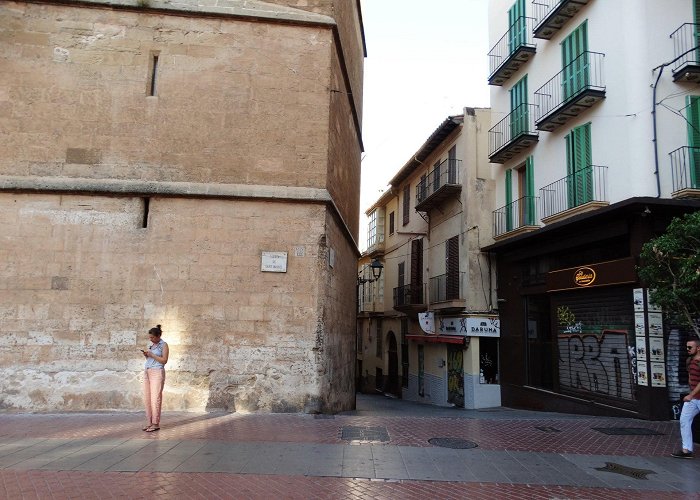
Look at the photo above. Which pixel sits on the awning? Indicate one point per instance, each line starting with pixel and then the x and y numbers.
pixel 438 339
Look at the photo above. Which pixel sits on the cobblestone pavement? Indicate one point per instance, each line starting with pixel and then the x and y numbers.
pixel 380 451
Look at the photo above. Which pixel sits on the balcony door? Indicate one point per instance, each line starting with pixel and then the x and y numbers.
pixel 574 52
pixel 518 109
pixel 526 187
pixel 579 179
pixel 452 165
pixel 417 271
pixel 517 31
pixel 693 107
pixel 452 268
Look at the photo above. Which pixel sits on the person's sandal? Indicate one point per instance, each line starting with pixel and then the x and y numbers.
pixel 146 427
pixel 152 429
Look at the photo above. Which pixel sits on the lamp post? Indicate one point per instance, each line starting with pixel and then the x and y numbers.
pixel 376 267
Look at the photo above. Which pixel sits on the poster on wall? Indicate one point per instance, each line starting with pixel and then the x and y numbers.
pixel 642 376
pixel 640 324
pixel 658 375
pixel 638 299
pixel 656 327
pixel 641 348
pixel 656 349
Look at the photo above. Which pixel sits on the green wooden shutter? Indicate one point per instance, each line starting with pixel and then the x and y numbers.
pixel 517 29
pixel 575 62
pixel 579 183
pixel 693 106
pixel 509 200
pixel 518 108
pixel 452 268
pixel 696 31
pixel 529 218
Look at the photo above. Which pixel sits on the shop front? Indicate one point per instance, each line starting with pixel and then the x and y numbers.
pixel 582 335
pixel 455 362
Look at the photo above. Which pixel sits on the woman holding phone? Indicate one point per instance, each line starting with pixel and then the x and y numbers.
pixel 154 378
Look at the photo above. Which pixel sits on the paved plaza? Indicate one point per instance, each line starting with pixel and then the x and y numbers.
pixel 388 448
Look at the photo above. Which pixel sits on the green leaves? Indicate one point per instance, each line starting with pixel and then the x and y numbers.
pixel 671 269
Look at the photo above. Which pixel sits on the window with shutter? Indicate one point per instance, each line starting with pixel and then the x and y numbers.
pixel 417 271
pixel 452 267
pixel 693 112
pixel 509 200
pixel 452 165
pixel 579 177
pixel 575 62
pixel 406 203
pixel 517 32
pixel 518 108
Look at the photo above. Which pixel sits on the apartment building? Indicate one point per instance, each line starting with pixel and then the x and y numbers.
pixel 595 140
pixel 428 328
pixel 190 164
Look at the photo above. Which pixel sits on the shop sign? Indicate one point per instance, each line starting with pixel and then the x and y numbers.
pixel 478 326
pixel 584 276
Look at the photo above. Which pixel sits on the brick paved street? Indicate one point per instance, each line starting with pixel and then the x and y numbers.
pixel 518 455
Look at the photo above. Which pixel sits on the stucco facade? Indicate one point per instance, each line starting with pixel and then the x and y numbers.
pixel 153 151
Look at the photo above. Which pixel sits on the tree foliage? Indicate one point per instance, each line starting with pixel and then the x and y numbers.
pixel 670 265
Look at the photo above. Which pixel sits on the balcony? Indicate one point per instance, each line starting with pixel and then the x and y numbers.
pixel 572 91
pixel 446 291
pixel 552 15
pixel 441 183
pixel 685 170
pixel 409 298
pixel 513 135
pixel 685 40
pixel 514 49
pixel 515 218
pixel 582 191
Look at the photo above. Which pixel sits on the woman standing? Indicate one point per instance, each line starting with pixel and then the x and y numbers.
pixel 154 378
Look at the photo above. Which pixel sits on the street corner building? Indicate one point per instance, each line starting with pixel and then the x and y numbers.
pixel 185 163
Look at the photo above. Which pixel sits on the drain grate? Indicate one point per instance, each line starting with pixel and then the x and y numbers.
pixel 323 416
pixel 625 471
pixel 547 428
pixel 627 431
pixel 455 443
pixel 351 433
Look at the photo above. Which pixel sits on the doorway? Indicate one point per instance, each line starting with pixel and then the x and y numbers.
pixel 455 376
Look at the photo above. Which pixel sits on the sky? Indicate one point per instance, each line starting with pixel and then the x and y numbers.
pixel 425 61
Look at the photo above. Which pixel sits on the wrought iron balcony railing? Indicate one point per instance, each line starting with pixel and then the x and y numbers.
pixel 586 185
pixel 513 50
pixel 446 287
pixel 513 134
pixel 576 87
pixel 685 168
pixel 686 39
pixel 408 295
pixel 444 175
pixel 552 15
pixel 519 213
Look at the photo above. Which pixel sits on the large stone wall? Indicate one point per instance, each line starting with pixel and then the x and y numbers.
pixel 120 209
pixel 82 281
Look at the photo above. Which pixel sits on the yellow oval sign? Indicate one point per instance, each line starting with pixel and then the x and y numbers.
pixel 584 276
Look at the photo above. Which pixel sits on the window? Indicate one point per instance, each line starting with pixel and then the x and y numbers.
pixel 517 32
pixel 452 267
pixel 526 186
pixel 509 200
pixel 406 203
pixel 693 107
pixel 452 165
pixel 519 122
pixel 574 55
pixel 372 229
pixel 391 223
pixel 380 343
pixel 579 183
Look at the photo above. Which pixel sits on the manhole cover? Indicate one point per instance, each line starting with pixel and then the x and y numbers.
pixel 322 416
pixel 547 428
pixel 627 431
pixel 455 443
pixel 351 433
pixel 625 471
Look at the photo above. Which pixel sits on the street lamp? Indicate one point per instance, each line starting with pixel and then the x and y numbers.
pixel 376 267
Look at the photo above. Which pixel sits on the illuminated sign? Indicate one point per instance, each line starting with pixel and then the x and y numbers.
pixel 584 276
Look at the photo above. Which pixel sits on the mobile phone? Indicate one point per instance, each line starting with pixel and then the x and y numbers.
pixel 142 351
